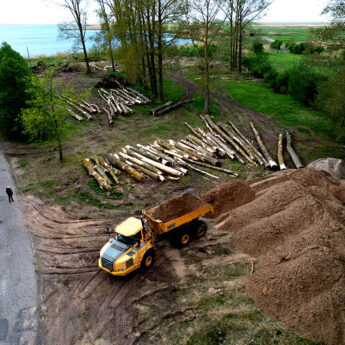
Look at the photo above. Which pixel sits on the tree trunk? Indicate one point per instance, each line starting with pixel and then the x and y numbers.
pixel 160 53
pixel 240 46
pixel 82 38
pixel 206 73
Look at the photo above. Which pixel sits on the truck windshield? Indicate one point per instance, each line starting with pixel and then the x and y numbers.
pixel 129 240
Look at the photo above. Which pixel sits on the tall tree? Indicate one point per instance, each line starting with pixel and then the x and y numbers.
pixel 106 28
pixel 168 12
pixel 332 37
pixel 46 115
pixel 331 93
pixel 241 13
pixel 204 24
pixel 15 77
pixel 79 14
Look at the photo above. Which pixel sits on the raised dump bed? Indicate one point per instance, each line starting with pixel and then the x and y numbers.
pixel 175 212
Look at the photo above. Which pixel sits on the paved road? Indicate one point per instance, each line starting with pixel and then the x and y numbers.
pixel 18 280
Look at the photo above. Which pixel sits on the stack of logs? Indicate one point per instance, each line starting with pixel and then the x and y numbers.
pixel 168 106
pixel 170 160
pixel 82 110
pixel 119 100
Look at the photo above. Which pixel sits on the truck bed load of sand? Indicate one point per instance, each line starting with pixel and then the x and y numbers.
pixel 295 228
pixel 175 207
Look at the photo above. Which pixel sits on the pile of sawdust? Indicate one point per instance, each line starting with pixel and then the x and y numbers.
pixel 295 228
pixel 175 207
pixel 228 196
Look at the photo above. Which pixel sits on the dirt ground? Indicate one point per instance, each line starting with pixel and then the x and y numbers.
pixel 187 290
pixel 297 259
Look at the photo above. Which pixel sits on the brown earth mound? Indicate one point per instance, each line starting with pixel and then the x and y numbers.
pixel 295 227
pixel 228 196
pixel 175 207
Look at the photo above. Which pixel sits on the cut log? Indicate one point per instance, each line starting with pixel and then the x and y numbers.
pixel 239 150
pixel 272 163
pixel 92 172
pixel 139 94
pixel 292 152
pixel 254 149
pixel 158 165
pixel 172 107
pixel 282 165
pixel 76 116
pixel 213 167
pixel 116 161
pixel 160 107
pixel 147 172
pixel 126 155
pixel 109 116
pixel 190 166
pixel 97 108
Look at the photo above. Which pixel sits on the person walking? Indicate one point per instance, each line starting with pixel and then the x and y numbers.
pixel 9 192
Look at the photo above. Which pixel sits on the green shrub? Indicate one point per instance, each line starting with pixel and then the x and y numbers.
pixel 14 80
pixel 296 48
pixel 258 47
pixel 259 65
pixel 303 81
pixel 281 83
pixel 276 44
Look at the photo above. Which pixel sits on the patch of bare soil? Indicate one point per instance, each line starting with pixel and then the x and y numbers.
pixel 228 196
pixel 295 228
pixel 175 207
pixel 84 305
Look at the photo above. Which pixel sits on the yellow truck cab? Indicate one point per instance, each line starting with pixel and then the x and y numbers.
pixel 133 245
pixel 124 253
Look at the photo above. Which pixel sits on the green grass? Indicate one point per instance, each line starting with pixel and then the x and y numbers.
pixel 283 60
pixel 283 109
pixel 287 33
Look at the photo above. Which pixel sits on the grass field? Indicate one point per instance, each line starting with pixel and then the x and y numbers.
pixel 283 60
pixel 287 33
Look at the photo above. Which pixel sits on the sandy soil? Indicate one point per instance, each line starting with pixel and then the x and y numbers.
pixel 295 228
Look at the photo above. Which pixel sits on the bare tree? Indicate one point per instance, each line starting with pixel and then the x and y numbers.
pixel 204 23
pixel 79 15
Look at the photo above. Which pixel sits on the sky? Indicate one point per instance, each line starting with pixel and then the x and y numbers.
pixel 47 12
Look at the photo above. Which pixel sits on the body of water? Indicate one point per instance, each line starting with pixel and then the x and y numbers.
pixel 39 39
pixel 44 40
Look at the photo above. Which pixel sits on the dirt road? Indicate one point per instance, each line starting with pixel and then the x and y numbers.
pixel 18 281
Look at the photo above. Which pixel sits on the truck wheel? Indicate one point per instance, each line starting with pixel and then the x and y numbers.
pixel 200 229
pixel 148 259
pixel 182 239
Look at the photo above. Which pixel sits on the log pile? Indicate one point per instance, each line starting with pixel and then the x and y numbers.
pixel 117 103
pixel 166 107
pixel 81 110
pixel 171 159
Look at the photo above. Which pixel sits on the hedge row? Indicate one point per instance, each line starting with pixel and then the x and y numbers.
pixel 300 82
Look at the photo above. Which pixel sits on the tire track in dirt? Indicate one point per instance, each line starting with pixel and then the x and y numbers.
pixel 89 305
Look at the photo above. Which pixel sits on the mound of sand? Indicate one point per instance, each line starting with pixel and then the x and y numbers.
pixel 228 196
pixel 295 228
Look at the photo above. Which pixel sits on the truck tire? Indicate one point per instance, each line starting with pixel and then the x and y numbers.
pixel 148 259
pixel 199 229
pixel 181 239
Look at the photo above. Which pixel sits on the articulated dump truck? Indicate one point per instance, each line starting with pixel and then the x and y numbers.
pixel 133 245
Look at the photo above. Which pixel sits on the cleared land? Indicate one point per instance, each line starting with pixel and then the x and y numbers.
pixel 191 296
